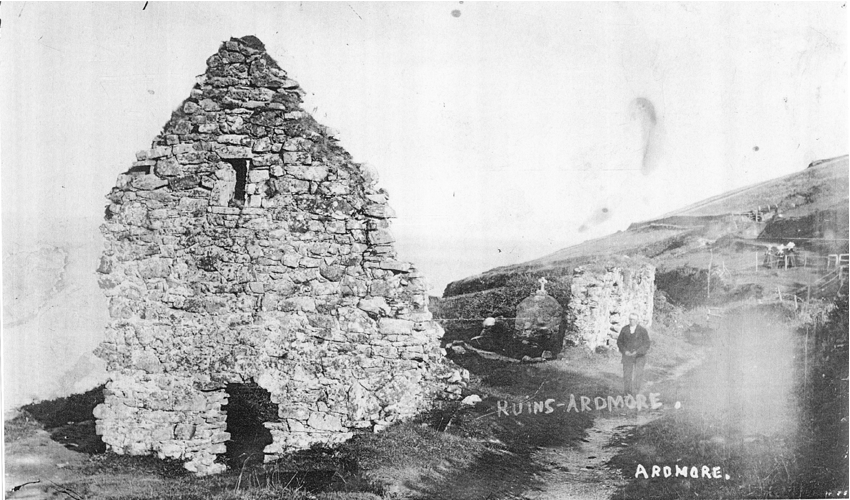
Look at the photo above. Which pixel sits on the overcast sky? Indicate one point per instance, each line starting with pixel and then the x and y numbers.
pixel 502 131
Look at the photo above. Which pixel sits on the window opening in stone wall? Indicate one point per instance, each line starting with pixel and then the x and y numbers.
pixel 240 165
pixel 247 408
pixel 141 169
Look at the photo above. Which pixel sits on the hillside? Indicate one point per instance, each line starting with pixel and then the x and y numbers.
pixel 818 186
pixel 809 207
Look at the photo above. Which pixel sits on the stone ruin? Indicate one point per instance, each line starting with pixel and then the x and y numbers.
pixel 246 247
pixel 602 295
pixel 594 300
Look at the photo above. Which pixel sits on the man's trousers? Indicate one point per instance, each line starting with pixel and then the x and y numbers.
pixel 633 373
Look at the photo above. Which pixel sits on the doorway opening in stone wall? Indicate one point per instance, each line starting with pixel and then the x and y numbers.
pixel 248 406
pixel 240 165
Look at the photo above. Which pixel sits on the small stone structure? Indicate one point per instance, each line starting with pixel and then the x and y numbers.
pixel 538 318
pixel 602 297
pixel 243 246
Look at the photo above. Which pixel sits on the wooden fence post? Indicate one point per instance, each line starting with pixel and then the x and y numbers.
pixel 708 287
pixel 809 290
pixel 806 361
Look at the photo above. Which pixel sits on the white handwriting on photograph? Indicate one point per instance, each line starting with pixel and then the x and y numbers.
pixel 693 472
pixel 582 404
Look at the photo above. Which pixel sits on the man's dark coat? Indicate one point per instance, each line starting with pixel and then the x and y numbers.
pixel 638 341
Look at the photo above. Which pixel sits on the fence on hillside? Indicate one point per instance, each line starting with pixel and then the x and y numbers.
pixel 818 287
pixel 790 260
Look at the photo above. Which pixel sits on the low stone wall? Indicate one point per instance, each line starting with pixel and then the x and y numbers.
pixel 462 314
pixel 157 413
pixel 602 297
pixel 245 245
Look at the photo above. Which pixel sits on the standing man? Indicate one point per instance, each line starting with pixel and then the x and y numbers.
pixel 633 343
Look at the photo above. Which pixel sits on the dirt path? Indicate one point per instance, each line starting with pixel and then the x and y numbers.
pixel 41 461
pixel 581 472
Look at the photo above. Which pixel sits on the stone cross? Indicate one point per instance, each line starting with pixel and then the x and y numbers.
pixel 542 282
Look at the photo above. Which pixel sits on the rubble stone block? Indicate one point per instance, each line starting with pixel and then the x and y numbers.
pixel 380 237
pixel 190 107
pixel 390 326
pixel 325 422
pixel 394 265
pixel 170 450
pixel 158 152
pixel 148 182
pixel 232 152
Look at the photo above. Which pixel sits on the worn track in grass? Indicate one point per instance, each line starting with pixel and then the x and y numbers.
pixel 582 472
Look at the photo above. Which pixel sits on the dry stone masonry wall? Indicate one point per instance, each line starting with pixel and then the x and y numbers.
pixel 245 245
pixel 603 295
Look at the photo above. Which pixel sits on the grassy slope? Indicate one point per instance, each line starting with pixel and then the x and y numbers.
pixel 683 234
pixel 830 177
pixel 759 465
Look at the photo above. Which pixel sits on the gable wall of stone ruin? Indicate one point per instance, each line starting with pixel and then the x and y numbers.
pixel 245 245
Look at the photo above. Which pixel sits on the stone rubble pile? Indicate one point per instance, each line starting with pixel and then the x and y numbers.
pixel 602 297
pixel 246 245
